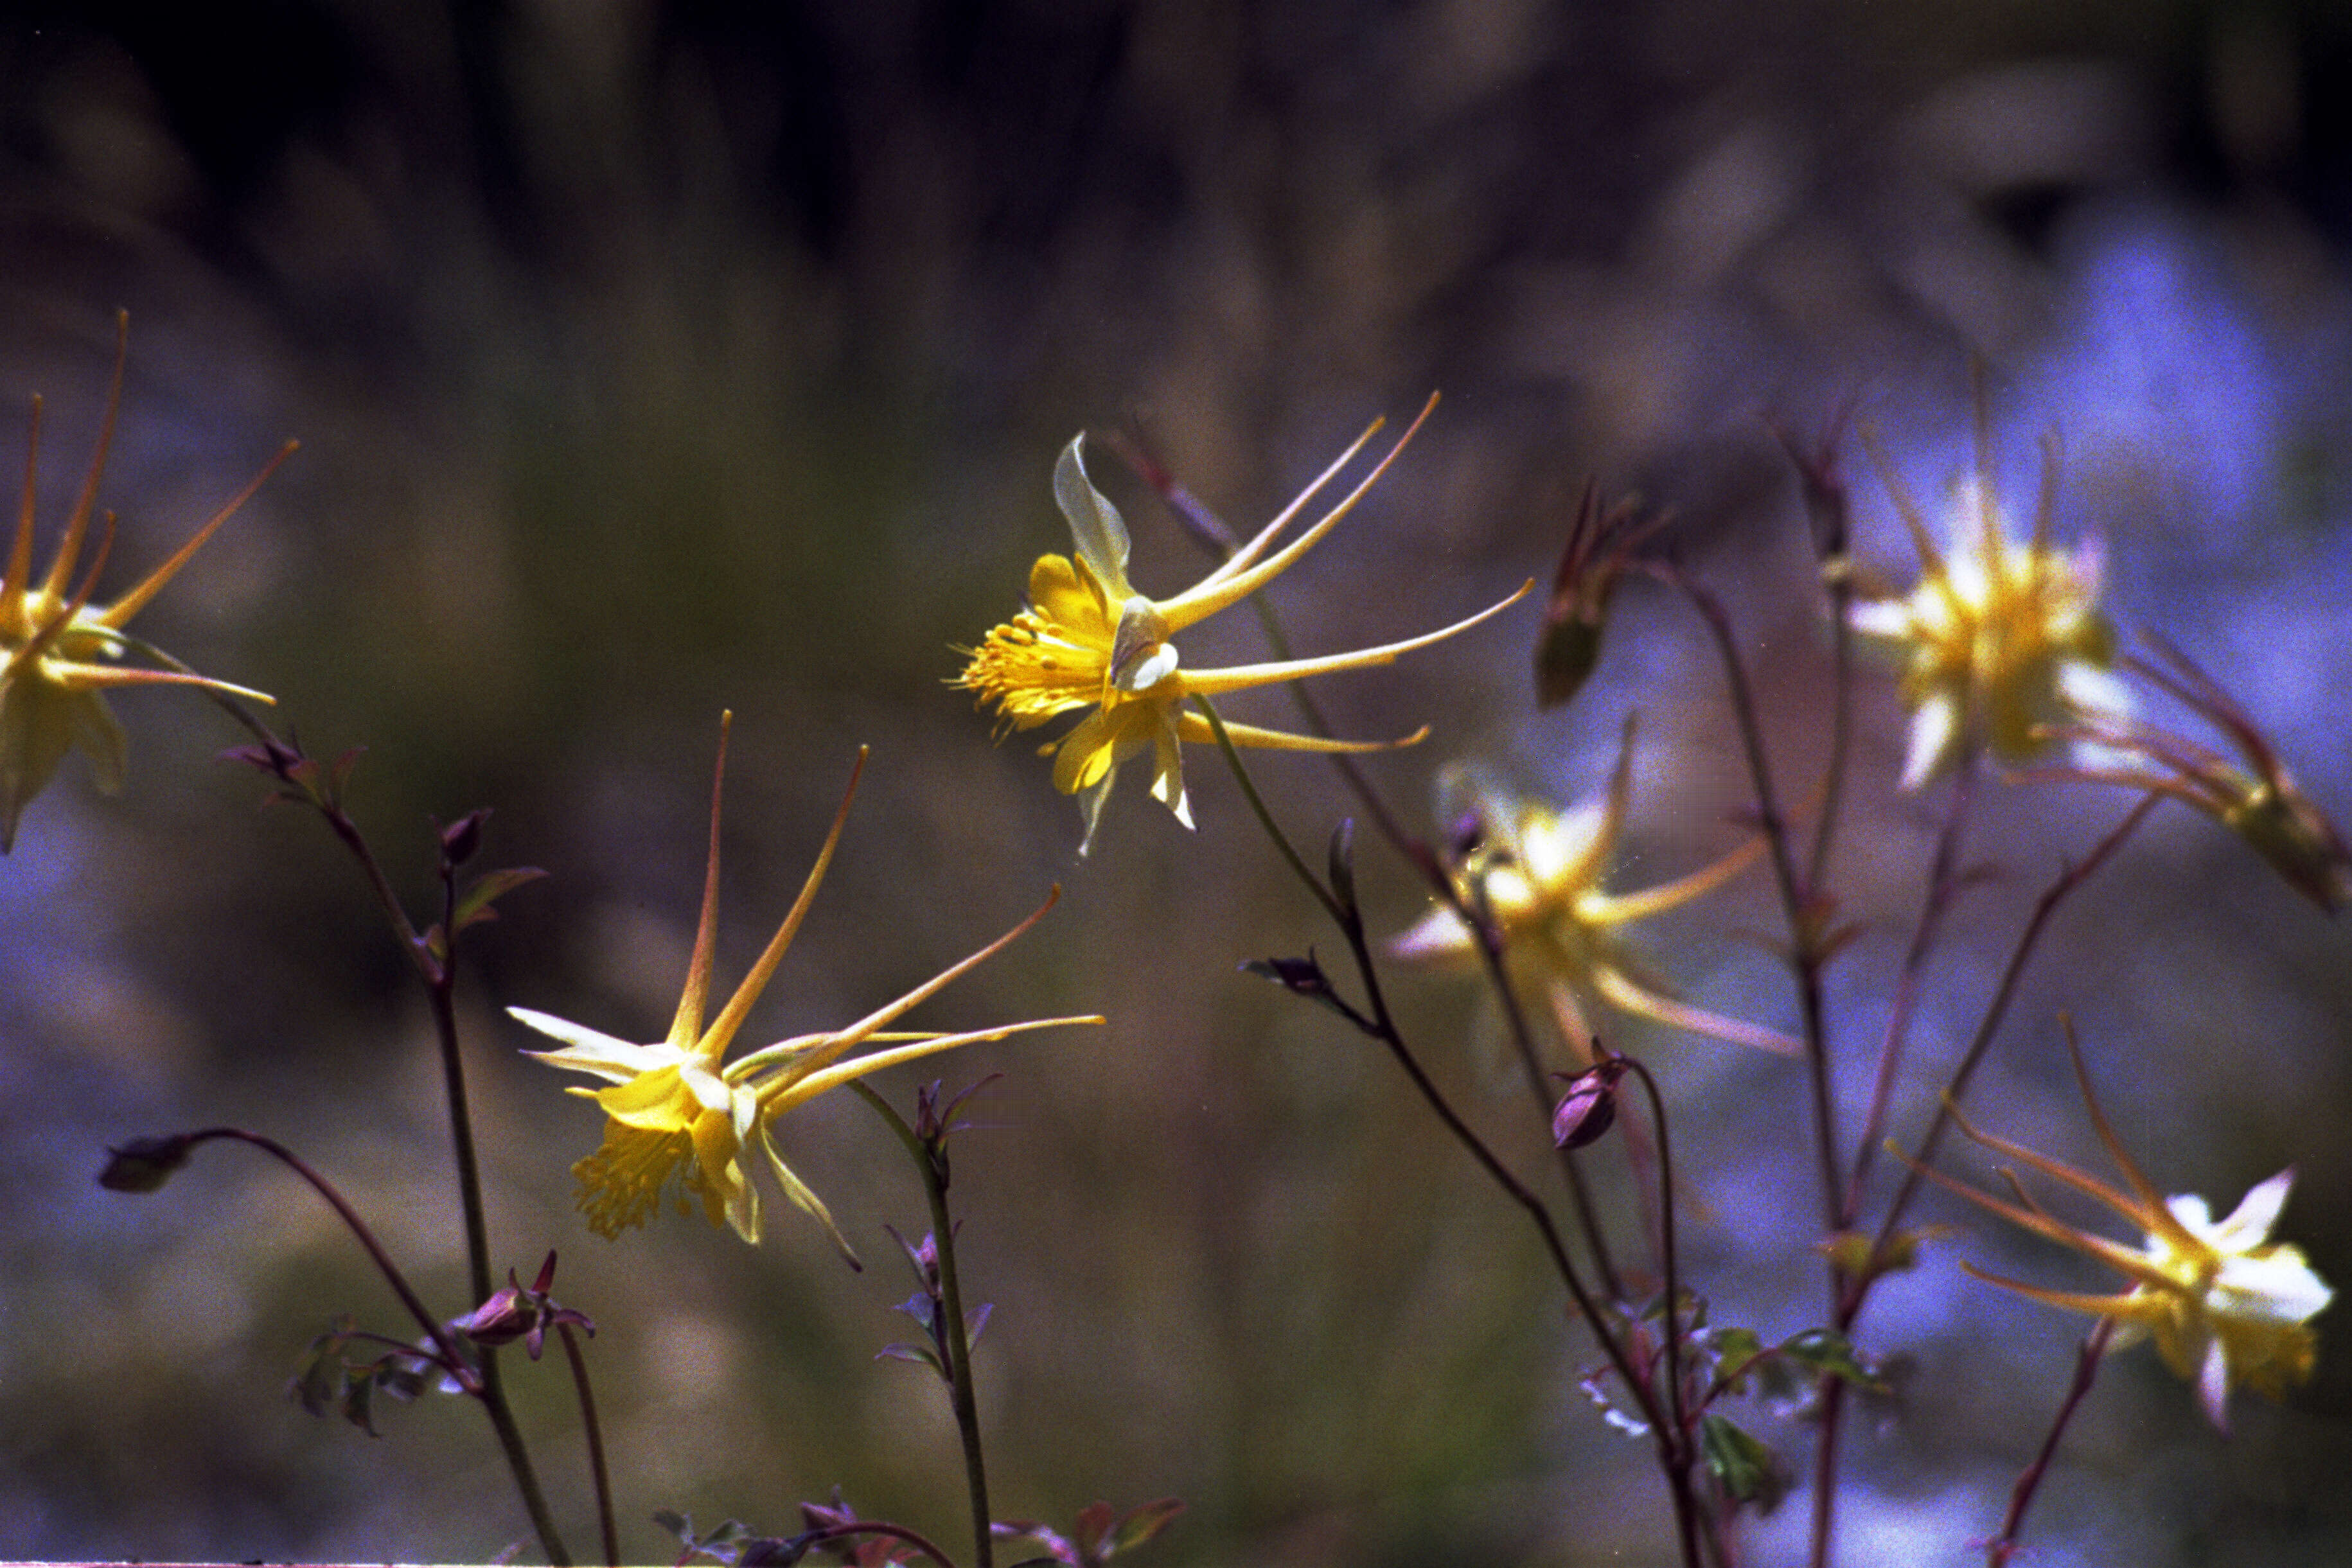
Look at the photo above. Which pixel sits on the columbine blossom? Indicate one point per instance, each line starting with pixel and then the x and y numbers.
pixel 678 1109
pixel 1088 640
pixel 2224 1303
pixel 59 653
pixel 1541 875
pixel 1999 640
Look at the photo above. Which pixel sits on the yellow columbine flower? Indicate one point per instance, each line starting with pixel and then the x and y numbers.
pixel 1999 641
pixel 58 652
pixel 679 1108
pixel 1088 640
pixel 2224 1303
pixel 1542 874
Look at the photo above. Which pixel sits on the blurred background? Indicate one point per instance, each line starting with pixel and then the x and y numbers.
pixel 655 358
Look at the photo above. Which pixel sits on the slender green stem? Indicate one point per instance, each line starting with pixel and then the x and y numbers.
pixel 1478 918
pixel 1856 1289
pixel 1804 911
pixel 596 1466
pixel 975 1466
pixel 1797 897
pixel 441 987
pixel 1841 734
pixel 440 975
pixel 929 1156
pixel 451 1358
pixel 340 822
pixel 1323 895
pixel 1828 511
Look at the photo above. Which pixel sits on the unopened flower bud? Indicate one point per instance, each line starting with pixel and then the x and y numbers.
pixel 462 837
pixel 1589 1107
pixel 144 1165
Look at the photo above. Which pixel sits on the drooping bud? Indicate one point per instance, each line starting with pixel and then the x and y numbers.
pixel 144 1165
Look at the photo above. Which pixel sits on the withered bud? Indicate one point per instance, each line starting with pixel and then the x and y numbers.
pixel 1600 543
pixel 924 1256
pixel 518 1313
pixel 274 757
pixel 2282 825
pixel 1303 977
pixel 144 1165
pixel 2260 803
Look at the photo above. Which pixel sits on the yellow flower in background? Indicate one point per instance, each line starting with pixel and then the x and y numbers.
pixel 1543 874
pixel 678 1109
pixel 1999 640
pixel 1088 640
pixel 59 653
pixel 2224 1303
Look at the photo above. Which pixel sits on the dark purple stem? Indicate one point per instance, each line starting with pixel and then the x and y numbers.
pixel 2001 1547
pixel 595 1431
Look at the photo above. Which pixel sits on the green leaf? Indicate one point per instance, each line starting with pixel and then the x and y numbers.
pixel 1342 866
pixel 1142 1522
pixel 1743 1466
pixel 318 1383
pixel 917 1354
pixel 1735 1349
pixel 489 888
pixel 1565 657
pixel 1858 1256
pixel 357 1403
pixel 1828 1354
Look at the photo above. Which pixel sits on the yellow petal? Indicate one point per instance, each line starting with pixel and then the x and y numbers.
pixel 1059 592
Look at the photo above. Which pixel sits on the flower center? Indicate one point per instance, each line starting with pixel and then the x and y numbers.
pixel 623 1180
pixel 1031 669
